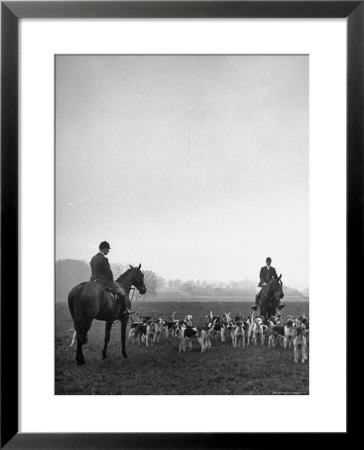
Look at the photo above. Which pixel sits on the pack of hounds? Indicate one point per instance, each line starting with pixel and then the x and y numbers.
pixel 244 331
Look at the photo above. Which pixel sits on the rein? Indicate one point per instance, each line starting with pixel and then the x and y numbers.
pixel 129 288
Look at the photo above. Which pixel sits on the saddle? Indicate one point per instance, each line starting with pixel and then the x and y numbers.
pixel 109 290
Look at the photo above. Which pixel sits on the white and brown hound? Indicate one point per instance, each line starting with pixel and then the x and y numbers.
pixel 187 334
pixel 238 334
pixel 256 331
pixel 300 344
pixel 220 327
pixel 289 333
pixel 170 327
pixel 275 335
pixel 133 329
pixel 150 332
pixel 158 327
pixel 139 333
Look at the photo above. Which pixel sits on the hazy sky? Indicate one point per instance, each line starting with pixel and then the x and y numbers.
pixel 195 166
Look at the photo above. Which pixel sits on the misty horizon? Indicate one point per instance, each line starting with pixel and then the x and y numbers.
pixel 116 266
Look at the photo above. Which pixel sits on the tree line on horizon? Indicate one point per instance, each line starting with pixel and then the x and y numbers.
pixel 70 272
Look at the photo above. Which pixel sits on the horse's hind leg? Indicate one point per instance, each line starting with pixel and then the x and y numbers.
pixel 79 354
pixel 108 326
pixel 81 328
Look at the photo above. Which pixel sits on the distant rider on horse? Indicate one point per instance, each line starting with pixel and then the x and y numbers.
pixel 101 273
pixel 266 274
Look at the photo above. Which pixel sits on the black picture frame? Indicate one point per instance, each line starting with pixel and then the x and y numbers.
pixel 11 12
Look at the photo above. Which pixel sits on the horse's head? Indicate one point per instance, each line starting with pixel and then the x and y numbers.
pixel 138 278
pixel 277 287
pixel 133 277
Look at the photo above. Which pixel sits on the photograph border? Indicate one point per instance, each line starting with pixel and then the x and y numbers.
pixel 11 13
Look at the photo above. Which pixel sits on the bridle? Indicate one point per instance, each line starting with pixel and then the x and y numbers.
pixel 130 288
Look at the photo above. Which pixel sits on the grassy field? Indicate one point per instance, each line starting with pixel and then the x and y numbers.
pixel 162 370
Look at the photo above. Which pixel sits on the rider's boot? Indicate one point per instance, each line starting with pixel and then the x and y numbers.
pixel 128 310
pixel 255 307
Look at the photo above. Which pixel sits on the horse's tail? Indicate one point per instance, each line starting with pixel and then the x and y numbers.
pixel 80 318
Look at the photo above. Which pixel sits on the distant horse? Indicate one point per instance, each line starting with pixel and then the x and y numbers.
pixel 89 300
pixel 270 295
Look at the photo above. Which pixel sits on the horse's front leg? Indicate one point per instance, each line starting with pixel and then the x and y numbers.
pixel 107 338
pixel 124 323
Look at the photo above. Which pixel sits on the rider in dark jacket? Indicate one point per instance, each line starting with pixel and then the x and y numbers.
pixel 101 273
pixel 266 274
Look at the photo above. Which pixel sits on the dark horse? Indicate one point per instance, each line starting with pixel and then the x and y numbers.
pixel 89 300
pixel 269 297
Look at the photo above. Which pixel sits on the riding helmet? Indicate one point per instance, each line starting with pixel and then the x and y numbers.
pixel 104 244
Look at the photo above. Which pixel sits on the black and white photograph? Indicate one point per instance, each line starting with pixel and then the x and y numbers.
pixel 182 224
